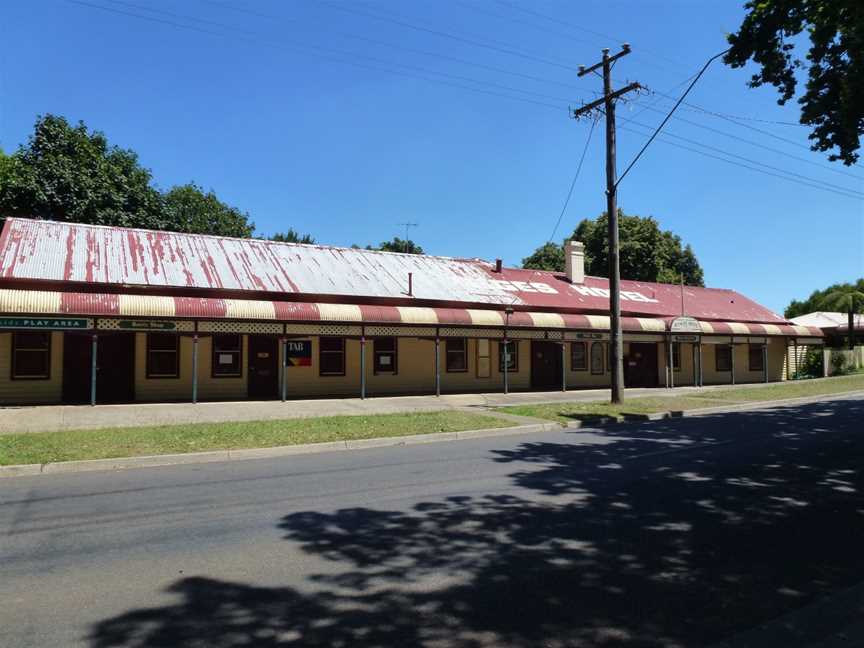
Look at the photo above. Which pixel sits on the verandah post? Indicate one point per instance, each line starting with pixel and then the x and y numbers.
pixel 563 366
pixel 284 366
pixel 437 366
pixel 362 367
pixel 195 368
pixel 93 352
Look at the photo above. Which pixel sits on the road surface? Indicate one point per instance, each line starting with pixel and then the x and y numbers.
pixel 676 533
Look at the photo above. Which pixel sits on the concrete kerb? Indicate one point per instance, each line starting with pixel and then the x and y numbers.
pixel 122 463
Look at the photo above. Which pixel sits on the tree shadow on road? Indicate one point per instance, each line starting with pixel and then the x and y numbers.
pixel 666 533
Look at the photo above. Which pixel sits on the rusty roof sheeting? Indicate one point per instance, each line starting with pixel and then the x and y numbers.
pixel 117 258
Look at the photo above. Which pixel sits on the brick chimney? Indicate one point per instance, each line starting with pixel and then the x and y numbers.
pixel 574 261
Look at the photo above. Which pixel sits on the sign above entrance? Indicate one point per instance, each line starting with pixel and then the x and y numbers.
pixel 685 338
pixel 685 325
pixel 298 353
pixel 146 325
pixel 44 324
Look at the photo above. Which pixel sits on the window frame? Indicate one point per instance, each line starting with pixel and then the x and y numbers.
pixel 214 351
pixel 761 355
pixel 514 356
pixel 676 356
pixel 717 356
pixel 331 352
pixel 151 350
pixel 603 359
pixel 13 375
pixel 377 367
pixel 456 352
pixel 584 346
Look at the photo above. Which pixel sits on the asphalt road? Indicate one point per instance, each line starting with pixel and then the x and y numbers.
pixel 677 533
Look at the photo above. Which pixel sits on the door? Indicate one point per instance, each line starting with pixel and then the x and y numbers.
pixel 263 367
pixel 115 368
pixel 545 365
pixel 640 365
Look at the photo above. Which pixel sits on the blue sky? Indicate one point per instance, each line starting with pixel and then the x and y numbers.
pixel 344 119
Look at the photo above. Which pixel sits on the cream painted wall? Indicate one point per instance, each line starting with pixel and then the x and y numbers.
pixel 776 364
pixel 163 389
pixel 31 392
pixel 584 378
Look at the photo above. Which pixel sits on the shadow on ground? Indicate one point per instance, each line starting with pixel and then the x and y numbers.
pixel 669 533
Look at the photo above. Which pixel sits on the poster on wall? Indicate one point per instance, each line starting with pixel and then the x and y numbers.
pixel 298 353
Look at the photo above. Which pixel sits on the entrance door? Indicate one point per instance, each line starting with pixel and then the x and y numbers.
pixel 545 365
pixel 115 368
pixel 263 367
pixel 640 365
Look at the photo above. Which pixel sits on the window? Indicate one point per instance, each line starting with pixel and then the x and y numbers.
pixel 578 356
pixel 676 356
pixel 512 353
pixel 31 356
pixel 227 356
pixel 723 357
pixel 757 359
pixel 163 353
pixel 385 355
pixel 457 355
pixel 597 354
pixel 331 356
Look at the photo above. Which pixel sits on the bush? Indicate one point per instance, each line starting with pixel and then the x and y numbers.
pixel 838 364
pixel 811 367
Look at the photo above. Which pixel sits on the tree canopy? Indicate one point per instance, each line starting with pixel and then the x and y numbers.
pixel 817 300
pixel 832 103
pixel 647 252
pixel 396 245
pixel 69 173
pixel 291 236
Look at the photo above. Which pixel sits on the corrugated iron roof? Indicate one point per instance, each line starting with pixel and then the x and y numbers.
pixel 34 250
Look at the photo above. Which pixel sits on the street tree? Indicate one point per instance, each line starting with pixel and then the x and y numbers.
pixel 292 236
pixel 188 208
pixel 832 103
pixel 398 245
pixel 846 299
pixel 647 252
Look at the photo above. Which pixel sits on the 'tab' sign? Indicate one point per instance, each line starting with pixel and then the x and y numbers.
pixel 298 353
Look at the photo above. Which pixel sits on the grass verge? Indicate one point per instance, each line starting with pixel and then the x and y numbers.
pixel 49 447
pixel 568 412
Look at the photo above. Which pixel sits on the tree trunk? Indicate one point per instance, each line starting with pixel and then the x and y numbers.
pixel 851 329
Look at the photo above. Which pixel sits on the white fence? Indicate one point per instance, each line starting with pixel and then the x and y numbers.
pixel 852 359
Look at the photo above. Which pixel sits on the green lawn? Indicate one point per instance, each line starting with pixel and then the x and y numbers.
pixel 568 412
pixel 47 447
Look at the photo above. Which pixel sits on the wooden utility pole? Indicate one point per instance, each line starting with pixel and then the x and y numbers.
pixel 607 101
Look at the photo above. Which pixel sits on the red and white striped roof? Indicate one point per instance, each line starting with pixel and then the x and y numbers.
pixel 40 302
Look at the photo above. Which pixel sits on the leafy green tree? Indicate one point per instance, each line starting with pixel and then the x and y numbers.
pixel 846 299
pixel 292 236
pixel 67 173
pixel 549 256
pixel 187 208
pixel 647 252
pixel 816 301
pixel 398 245
pixel 833 100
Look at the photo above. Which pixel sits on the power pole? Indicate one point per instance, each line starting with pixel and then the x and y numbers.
pixel 608 103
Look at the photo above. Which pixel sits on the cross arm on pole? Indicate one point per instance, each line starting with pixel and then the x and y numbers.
pixel 578 112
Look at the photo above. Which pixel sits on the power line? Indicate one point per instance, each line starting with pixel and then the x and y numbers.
pixel 375 41
pixel 573 183
pixel 758 169
pixel 756 144
pixel 663 123
pixel 438 32
pixel 348 61
pixel 751 161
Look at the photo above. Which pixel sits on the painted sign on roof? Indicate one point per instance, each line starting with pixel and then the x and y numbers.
pixel 32 250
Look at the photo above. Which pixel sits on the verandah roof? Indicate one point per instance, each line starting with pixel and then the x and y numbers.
pixel 55 303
